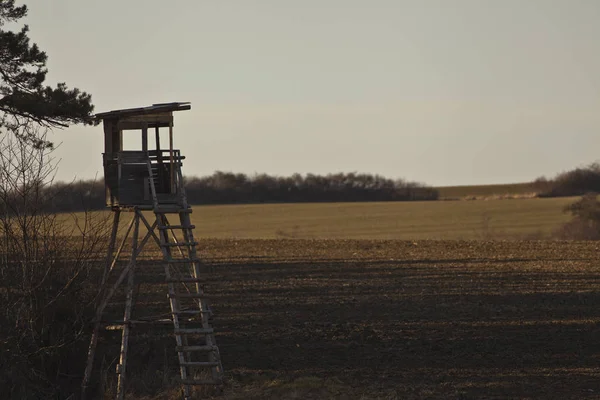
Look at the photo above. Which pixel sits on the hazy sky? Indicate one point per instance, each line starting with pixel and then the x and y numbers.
pixel 443 92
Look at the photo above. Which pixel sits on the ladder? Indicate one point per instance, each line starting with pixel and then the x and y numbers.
pixel 196 347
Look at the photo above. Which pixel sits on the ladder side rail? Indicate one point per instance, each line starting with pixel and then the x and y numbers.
pixel 173 301
pixel 175 267
pixel 214 356
pixel 217 371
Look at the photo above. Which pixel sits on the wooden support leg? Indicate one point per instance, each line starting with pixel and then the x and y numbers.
pixel 121 368
pixel 111 246
pixel 94 339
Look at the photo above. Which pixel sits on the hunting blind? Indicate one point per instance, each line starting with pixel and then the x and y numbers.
pixel 125 171
pixel 143 179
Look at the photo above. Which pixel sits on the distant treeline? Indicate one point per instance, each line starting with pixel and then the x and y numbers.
pixel 230 188
pixel 576 182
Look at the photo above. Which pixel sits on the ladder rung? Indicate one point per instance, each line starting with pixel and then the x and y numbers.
pixel 199 382
pixel 177 227
pixel 195 348
pixel 200 364
pixel 188 295
pixel 186 280
pixel 179 244
pixel 183 331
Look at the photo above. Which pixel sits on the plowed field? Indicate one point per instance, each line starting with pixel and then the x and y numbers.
pixel 405 320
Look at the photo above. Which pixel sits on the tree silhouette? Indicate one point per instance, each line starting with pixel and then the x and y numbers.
pixel 25 100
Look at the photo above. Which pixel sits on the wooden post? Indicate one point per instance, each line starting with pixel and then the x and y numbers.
pixel 171 156
pixel 145 137
pixel 94 339
pixel 100 309
pixel 111 246
pixel 120 249
pixel 159 161
pixel 121 368
pixel 157 136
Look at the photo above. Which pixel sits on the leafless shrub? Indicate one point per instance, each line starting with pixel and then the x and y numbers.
pixel 46 261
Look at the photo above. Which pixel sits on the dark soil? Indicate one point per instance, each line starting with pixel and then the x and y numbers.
pixel 390 319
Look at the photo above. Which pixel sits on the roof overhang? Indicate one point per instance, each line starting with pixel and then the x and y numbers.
pixel 157 110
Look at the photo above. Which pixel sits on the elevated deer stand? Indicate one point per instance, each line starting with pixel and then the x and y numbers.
pixel 143 179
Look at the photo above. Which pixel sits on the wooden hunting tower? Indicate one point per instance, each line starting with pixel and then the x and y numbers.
pixel 143 179
pixel 127 178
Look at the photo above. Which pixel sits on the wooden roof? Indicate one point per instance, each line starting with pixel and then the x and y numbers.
pixel 159 108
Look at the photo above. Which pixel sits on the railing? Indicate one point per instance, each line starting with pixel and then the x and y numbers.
pixel 128 180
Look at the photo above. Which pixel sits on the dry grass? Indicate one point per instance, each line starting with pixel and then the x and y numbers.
pixel 402 220
pixel 443 220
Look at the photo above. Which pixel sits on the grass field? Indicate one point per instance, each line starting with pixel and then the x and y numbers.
pixel 346 319
pixel 486 190
pixel 501 219
pixel 442 220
